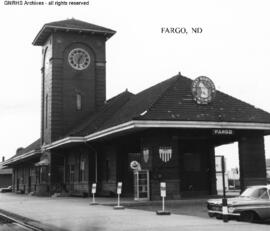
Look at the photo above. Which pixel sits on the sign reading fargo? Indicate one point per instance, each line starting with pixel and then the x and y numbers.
pixel 223 132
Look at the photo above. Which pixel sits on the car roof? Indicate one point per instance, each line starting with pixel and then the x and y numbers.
pixel 260 186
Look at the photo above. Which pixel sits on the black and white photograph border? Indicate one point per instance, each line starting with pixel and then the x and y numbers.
pixel 149 94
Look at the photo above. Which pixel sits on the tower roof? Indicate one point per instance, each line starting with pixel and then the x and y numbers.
pixel 70 25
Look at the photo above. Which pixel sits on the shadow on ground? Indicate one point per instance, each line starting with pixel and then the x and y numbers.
pixel 197 209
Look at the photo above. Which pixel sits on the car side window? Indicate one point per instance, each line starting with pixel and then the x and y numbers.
pixel 263 194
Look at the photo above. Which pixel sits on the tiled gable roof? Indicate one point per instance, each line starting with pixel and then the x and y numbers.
pixel 139 103
pixel 172 100
pixel 70 25
pixel 94 122
pixel 178 104
pixel 32 147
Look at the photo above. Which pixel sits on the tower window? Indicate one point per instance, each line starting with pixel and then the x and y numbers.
pixel 46 111
pixel 78 102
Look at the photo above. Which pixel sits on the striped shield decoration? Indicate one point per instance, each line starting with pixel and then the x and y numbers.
pixel 145 155
pixel 165 154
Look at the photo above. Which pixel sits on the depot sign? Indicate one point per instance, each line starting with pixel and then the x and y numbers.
pixel 223 132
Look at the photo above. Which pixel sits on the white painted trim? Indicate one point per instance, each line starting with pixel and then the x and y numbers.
pixel 159 124
pixel 201 124
pixel 111 130
pixel 67 140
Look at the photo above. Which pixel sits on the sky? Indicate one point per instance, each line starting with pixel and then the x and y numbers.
pixel 233 50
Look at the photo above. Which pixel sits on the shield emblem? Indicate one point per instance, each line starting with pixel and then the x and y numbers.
pixel 165 154
pixel 145 155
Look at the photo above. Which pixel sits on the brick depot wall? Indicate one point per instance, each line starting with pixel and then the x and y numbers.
pixel 160 171
pixel 73 183
pixel 252 161
pixel 108 170
pixel 180 180
pixel 62 82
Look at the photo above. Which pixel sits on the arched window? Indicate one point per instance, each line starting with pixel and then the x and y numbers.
pixel 78 102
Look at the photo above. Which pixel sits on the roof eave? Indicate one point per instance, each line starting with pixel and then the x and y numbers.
pixel 141 124
pixel 20 157
pixel 43 34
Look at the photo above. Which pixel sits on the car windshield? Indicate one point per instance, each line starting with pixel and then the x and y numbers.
pixel 256 193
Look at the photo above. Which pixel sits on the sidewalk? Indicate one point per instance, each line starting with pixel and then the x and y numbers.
pixel 76 214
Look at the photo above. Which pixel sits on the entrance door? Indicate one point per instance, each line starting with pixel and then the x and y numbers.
pixel 195 168
pixel 141 185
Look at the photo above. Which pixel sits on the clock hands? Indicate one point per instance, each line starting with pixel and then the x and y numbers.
pixel 79 59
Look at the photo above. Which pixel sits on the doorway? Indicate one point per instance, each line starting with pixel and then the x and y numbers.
pixel 196 167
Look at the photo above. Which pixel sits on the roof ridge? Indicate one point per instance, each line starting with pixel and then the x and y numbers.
pixel 118 95
pixel 162 93
pixel 77 20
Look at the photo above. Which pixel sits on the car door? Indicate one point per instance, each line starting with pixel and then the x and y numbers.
pixel 263 206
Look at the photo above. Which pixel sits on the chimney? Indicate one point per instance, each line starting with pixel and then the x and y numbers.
pixel 3 159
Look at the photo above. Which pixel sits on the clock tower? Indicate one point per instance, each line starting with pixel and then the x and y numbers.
pixel 73 74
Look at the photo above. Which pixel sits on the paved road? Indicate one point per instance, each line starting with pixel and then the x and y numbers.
pixel 75 214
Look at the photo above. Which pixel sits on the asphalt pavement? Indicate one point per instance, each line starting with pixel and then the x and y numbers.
pixel 75 214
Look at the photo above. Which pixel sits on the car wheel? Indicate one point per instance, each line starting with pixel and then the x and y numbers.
pixel 247 216
pixel 218 216
pixel 211 215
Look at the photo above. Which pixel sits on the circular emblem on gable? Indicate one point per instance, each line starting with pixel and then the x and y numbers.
pixel 203 90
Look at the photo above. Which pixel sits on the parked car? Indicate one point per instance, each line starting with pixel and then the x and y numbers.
pixel 253 204
pixel 7 189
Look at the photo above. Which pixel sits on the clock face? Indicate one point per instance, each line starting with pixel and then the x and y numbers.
pixel 79 59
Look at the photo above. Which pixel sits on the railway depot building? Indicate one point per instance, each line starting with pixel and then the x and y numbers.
pixel 171 129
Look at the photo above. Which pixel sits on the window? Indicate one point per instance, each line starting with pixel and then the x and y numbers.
pixel 264 195
pixel 82 170
pixel 46 111
pixel 78 102
pixel 72 173
pixel 256 193
pixel 107 170
pixel 37 173
pixel 43 174
pixel 67 171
